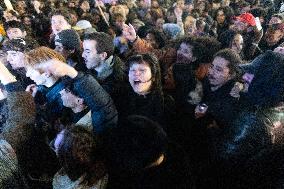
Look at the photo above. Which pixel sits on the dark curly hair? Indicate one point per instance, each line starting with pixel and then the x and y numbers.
pixel 153 62
pixel 78 155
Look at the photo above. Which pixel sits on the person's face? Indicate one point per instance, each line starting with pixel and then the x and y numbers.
pixel 60 49
pixel 180 4
pixel 90 54
pixel 184 54
pixel 16 59
pixel 74 18
pixel 220 17
pixel 36 4
pixel 245 9
pixel 58 23
pixel 85 6
pixel 72 101
pixel 40 78
pixel 159 24
pixel 225 3
pixel 155 4
pixel 219 73
pixel 140 78
pixel 27 21
pixel 21 7
pixel 119 22
pixel 190 25
pixel 13 33
pixel 171 17
pixel 188 8
pixel 237 43
pixel 273 36
pixel 150 38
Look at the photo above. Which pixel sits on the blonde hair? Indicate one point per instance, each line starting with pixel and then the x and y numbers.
pixel 41 55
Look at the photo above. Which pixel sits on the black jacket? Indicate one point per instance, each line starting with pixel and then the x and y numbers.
pixel 104 113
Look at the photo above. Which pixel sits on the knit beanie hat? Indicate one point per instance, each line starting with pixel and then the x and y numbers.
pixel 172 30
pixel 69 39
pixel 247 18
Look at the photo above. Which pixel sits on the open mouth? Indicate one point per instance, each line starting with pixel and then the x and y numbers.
pixel 137 82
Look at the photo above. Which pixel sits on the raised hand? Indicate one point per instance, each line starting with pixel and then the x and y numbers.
pixel 58 68
pixel 178 12
pixel 129 32
pixel 32 89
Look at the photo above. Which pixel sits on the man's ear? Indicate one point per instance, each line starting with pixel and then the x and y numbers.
pixel 103 56
pixel 194 59
pixel 25 34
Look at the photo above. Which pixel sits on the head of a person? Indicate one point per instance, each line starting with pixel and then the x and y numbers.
pixel 119 20
pixel 72 100
pixel 97 47
pixel 34 67
pixel 60 20
pixel 259 12
pixel 172 31
pixel 144 74
pixel 67 42
pixel 84 5
pixel 184 51
pixel 244 7
pixel 159 24
pixel 275 31
pixel 15 29
pixel 10 15
pixel 27 20
pixel 73 3
pixel 136 23
pixel 170 16
pixel 223 15
pixel 78 154
pixel 233 40
pixel 155 38
pixel 143 141
pixel 21 7
pixel 204 49
pixel 189 25
pixel 243 22
pixel 16 49
pixel 74 17
pixel 225 66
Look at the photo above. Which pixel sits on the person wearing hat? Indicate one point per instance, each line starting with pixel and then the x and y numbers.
pixel 68 44
pixel 16 58
pixel 247 25
pixel 84 27
pixel 274 34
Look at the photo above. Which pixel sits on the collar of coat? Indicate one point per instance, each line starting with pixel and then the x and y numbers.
pixel 107 68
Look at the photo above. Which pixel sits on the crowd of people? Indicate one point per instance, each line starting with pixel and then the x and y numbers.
pixel 142 94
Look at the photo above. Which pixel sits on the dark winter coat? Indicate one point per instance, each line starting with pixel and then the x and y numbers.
pixel 104 113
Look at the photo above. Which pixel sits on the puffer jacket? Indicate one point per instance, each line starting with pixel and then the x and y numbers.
pixel 104 113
